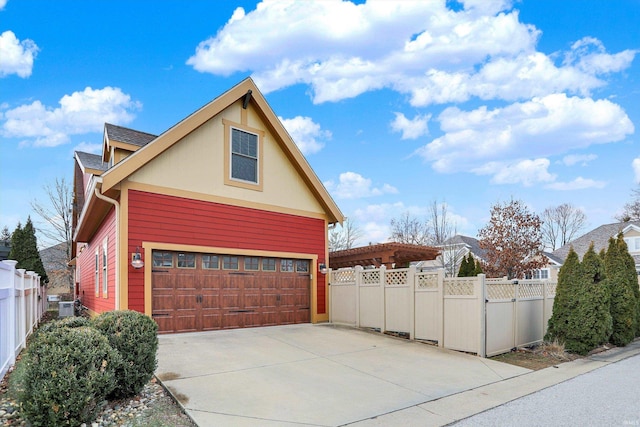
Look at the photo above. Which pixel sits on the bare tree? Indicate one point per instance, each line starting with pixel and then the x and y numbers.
pixel 345 237
pixel 56 229
pixel 444 230
pixel 561 224
pixel 410 229
pixel 512 241
pixel 631 210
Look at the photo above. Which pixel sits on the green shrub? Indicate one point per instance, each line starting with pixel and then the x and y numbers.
pixel 591 318
pixel 561 323
pixel 623 301
pixel 67 322
pixel 68 374
pixel 134 336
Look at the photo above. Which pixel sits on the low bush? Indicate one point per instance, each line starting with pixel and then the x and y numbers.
pixel 134 336
pixel 68 374
pixel 67 322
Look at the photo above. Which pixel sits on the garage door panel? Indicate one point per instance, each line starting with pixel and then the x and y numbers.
pixel 252 300
pixel 232 320
pixel 211 320
pixel 210 282
pixel 252 320
pixel 185 321
pixel 211 301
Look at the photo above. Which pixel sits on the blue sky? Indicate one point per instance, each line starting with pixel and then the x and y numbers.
pixel 394 104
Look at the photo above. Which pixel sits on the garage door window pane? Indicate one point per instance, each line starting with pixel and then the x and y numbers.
pixel 251 263
pixel 162 259
pixel 186 260
pixel 230 263
pixel 286 265
pixel 302 266
pixel 268 264
pixel 210 262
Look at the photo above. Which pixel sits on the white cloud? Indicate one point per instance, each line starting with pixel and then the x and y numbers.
pixel 583 159
pixel 538 128
pixel 352 185
pixel 16 57
pixel 411 128
pixel 78 113
pixel 579 183
pixel 430 52
pixel 636 168
pixel 89 147
pixel 307 134
pixel 525 172
pixel 3 3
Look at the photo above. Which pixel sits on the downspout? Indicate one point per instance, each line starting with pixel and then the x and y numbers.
pixel 117 206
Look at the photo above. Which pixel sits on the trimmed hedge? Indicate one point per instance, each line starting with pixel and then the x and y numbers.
pixel 135 337
pixel 67 322
pixel 69 372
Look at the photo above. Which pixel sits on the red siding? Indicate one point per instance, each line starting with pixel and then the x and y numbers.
pixel 169 219
pixel 86 261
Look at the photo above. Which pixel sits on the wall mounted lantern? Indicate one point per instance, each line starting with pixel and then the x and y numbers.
pixel 323 268
pixel 136 259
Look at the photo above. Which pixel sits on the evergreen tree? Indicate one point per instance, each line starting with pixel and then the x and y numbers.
pixel 623 304
pixel 565 301
pixel 464 267
pixel 477 269
pixel 5 236
pixel 632 278
pixel 590 322
pixel 24 249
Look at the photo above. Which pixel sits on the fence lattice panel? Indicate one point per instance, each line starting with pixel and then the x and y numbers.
pixel 396 277
pixel 461 287
pixel 343 277
pixel 427 281
pixel 371 277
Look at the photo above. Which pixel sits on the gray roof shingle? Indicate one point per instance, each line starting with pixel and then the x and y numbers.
pixel 600 238
pixel 473 243
pixel 91 161
pixel 129 136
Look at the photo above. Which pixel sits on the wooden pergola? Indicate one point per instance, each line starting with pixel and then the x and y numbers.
pixel 388 254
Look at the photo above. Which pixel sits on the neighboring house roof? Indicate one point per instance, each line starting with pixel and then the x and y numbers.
pixel 470 242
pixel 554 259
pixel 91 163
pixel 600 238
pixel 54 257
pixel 381 254
pixel 128 136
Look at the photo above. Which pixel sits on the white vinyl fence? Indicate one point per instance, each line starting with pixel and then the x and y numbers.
pixel 471 314
pixel 22 303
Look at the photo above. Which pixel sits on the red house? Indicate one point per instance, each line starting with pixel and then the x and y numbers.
pixel 225 214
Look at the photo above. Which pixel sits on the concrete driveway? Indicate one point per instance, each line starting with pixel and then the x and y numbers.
pixel 319 375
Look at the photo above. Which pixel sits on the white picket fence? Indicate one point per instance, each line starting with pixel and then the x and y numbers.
pixel 471 314
pixel 22 303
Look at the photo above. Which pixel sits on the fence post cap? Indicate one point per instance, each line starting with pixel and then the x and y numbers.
pixel 10 262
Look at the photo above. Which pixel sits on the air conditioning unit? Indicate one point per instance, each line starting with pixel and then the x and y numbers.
pixel 65 309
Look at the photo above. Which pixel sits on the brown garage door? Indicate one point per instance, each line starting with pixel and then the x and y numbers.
pixel 200 292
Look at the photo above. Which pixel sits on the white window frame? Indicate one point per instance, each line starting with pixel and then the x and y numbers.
pixel 538 273
pixel 105 253
pixel 97 272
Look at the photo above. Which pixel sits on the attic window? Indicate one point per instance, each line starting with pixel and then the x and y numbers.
pixel 244 156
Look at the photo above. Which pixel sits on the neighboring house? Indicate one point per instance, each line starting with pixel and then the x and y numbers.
pixel 54 259
pixel 600 238
pixel 5 248
pixel 452 251
pixel 227 216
